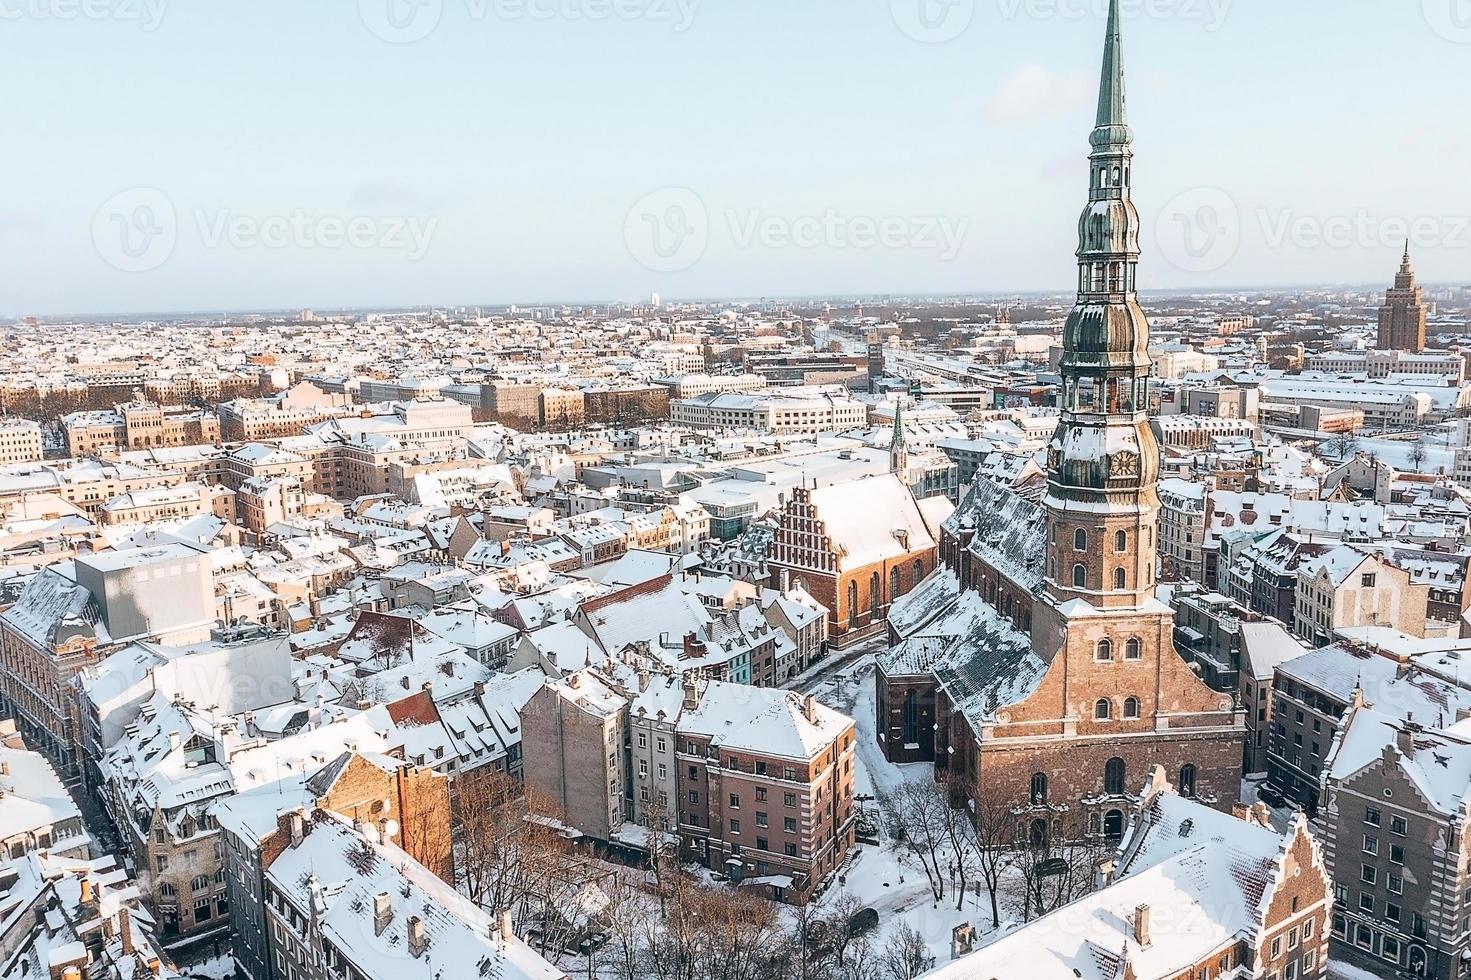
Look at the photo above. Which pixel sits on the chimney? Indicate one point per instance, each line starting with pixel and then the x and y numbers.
pixel 1404 740
pixel 1240 810
pixel 1103 873
pixel 418 942
pixel 298 829
pixel 1261 816
pixel 503 929
pixel 480 689
pixel 1141 925
pixel 125 930
pixel 155 967
pixel 382 912
pixel 86 884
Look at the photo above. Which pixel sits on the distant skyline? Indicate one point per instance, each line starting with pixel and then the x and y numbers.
pixel 396 153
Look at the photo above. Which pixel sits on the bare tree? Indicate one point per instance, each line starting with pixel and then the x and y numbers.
pixel 1058 866
pixel 995 840
pixel 906 954
pixel 513 856
pixel 921 821
pixel 1418 453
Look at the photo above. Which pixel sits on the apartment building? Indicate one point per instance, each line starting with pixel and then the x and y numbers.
pixel 788 411
pixel 1347 587
pixel 1394 831
pixel 1312 693
pixel 757 783
pixel 139 425
pixel 20 441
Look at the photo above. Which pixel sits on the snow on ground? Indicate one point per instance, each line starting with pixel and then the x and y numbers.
pixel 885 877
pixel 1342 971
pixel 214 968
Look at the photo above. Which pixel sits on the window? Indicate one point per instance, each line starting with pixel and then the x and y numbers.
pixel 1121 541
pixel 1113 776
pixel 1080 576
pixel 789 849
pixel 1120 578
pixel 1131 707
pixel 1102 709
pixel 1187 779
pixel 1371 844
pixel 199 883
pixel 735 801
pixel 1371 814
pixel 1398 825
pixel 1368 874
pixel 167 890
pixel 789 799
pixel 1396 854
pixel 1366 902
pixel 1104 651
pixel 1080 540
pixel 760 820
pixel 1039 789
pixel 760 794
pixel 1132 650
pixel 735 826
pixel 789 824
pixel 1395 884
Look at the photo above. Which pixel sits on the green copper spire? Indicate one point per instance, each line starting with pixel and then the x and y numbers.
pixel 1113 124
pixel 898 446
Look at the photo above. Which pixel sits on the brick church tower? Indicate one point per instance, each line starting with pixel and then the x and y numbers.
pixel 1114 698
pixel 1402 317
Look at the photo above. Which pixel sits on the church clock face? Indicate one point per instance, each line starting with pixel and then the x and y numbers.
pixel 1124 464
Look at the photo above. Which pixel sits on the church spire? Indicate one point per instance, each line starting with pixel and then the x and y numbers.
pixel 1112 125
pixel 899 447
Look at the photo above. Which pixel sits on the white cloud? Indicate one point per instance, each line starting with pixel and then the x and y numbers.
pixel 1035 92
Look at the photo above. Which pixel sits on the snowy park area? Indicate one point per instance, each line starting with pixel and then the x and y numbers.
pixel 887 877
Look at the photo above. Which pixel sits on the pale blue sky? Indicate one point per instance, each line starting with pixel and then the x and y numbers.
pixel 518 144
